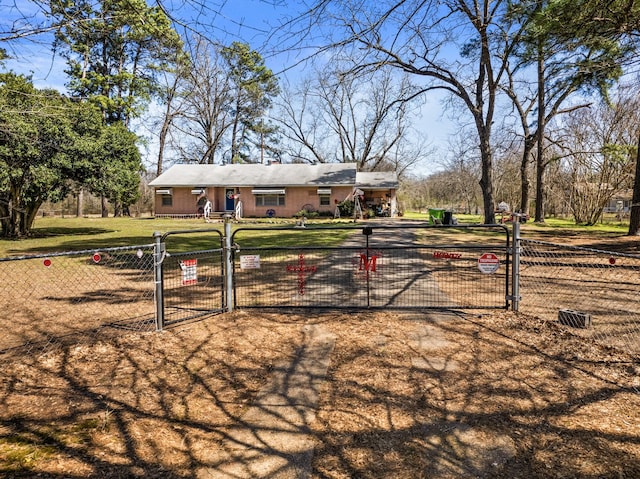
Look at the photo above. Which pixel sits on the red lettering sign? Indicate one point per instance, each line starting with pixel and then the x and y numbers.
pixel 367 264
pixel 443 254
pixel 301 268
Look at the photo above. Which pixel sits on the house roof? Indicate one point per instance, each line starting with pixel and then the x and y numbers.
pixel 323 174
pixel 367 180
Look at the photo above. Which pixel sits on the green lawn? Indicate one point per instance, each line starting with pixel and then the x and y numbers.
pixel 610 224
pixel 52 234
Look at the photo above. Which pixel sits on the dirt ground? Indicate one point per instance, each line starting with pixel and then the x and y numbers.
pixel 600 240
pixel 406 395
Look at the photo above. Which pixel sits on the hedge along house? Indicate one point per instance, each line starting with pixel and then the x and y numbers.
pixel 257 190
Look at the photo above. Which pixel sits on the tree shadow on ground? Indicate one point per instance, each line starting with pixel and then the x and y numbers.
pixel 406 395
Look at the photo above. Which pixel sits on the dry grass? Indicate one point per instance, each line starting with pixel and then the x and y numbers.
pixel 407 395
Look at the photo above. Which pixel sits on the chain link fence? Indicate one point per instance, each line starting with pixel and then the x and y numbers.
pixel 192 281
pixel 51 300
pixel 408 277
pixel 593 292
pixel 55 299
pixel 376 266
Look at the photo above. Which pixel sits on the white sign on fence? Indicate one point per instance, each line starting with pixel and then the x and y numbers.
pixel 488 263
pixel 250 261
pixel 189 269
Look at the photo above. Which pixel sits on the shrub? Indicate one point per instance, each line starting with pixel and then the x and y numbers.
pixel 346 208
pixel 306 214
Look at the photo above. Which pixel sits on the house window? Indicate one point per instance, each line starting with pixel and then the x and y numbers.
pixel 270 200
pixel 269 197
pixel 324 194
pixel 167 200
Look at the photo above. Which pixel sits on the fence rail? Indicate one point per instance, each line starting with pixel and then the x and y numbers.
pixel 57 298
pixel 191 283
pixel 419 267
pixel 598 289
pixel 46 299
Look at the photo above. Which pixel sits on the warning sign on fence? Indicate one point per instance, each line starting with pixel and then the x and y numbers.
pixel 250 261
pixel 488 263
pixel 189 271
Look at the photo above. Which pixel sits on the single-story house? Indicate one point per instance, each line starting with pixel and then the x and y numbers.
pixel 620 202
pixel 260 190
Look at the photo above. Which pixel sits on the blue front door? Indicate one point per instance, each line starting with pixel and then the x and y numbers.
pixel 229 204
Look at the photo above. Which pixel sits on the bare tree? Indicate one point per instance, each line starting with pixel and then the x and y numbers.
pixel 172 96
pixel 198 132
pixel 21 21
pixel 415 194
pixel 507 172
pixel 536 105
pixel 562 68
pixel 302 124
pixel 600 147
pixel 457 46
pixel 364 119
pixel 461 166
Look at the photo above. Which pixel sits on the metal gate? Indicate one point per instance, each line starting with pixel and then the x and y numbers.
pixel 191 271
pixel 372 266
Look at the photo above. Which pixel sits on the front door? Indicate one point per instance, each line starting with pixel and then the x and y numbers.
pixel 229 204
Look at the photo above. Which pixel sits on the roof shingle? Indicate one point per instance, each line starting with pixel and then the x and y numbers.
pixel 323 174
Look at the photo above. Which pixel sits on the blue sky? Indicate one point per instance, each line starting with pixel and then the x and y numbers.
pixel 224 21
pixel 34 54
pixel 250 21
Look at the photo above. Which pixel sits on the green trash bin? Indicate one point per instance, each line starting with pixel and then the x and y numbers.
pixel 436 216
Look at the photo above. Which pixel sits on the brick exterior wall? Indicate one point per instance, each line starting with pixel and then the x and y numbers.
pixel 184 202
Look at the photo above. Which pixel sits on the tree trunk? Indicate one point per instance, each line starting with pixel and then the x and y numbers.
pixel 12 230
pixel 539 215
pixel 4 217
pixel 163 139
pixel 164 132
pixel 486 182
pixel 79 203
pixel 29 217
pixel 234 131
pixel 16 220
pixel 634 221
pixel 105 207
pixel 524 175
pixel 15 215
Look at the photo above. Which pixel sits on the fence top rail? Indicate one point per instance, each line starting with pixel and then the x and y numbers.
pixel 367 228
pixel 371 226
pixel 238 248
pixel 77 252
pixel 580 248
pixel 195 252
pixel 164 236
